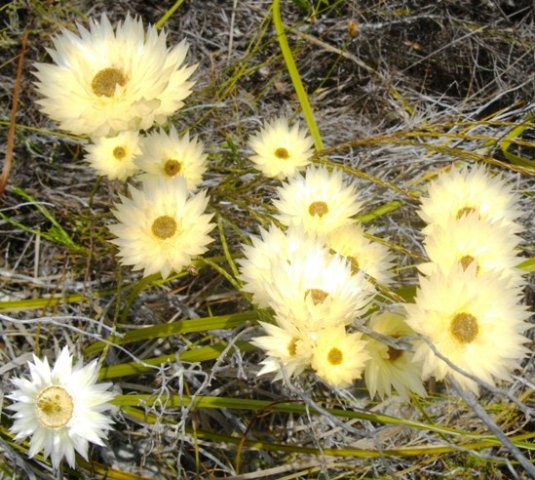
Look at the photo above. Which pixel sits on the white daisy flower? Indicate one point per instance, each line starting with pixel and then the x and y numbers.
pixel 476 321
pixel 103 82
pixel 272 245
pixel 389 367
pixel 338 357
pixel 468 240
pixel 319 202
pixel 168 156
pixel 370 257
pixel 61 409
pixel 114 157
pixel 286 348
pixel 280 150
pixel 456 193
pixel 160 228
pixel 317 292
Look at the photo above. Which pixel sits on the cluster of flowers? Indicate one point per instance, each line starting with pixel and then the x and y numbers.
pixel 109 85
pixel 318 276
pixel 468 305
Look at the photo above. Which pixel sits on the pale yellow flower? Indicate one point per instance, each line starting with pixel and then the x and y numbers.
pixel 104 81
pixel 339 357
pixel 280 150
pixel 474 320
pixel 161 228
pixel 319 203
pixel 114 157
pixel 168 156
pixel 388 367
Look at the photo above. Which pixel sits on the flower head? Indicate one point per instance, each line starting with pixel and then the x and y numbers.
pixel 318 203
pixel 470 190
pixel 389 366
pixel 114 157
pixel 280 150
pixel 61 409
pixel 160 228
pixel 471 240
pixel 339 357
pixel 273 245
pixel 474 320
pixel 168 156
pixel 104 81
pixel 372 258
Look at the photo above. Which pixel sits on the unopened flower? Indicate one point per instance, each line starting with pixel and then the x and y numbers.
pixel 474 320
pixel 319 203
pixel 61 409
pixel 161 227
pixel 372 258
pixel 339 357
pixel 169 156
pixel 114 157
pixel 389 367
pixel 280 150
pixel 457 193
pixel 104 81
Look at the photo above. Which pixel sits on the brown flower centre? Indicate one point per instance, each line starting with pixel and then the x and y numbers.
pixel 464 211
pixel 335 356
pixel 317 295
pixel 464 327
pixel 164 227
pixel 292 347
pixel 318 208
pixel 282 153
pixel 466 261
pixel 54 407
pixel 105 81
pixel 172 167
pixel 119 153
pixel 394 353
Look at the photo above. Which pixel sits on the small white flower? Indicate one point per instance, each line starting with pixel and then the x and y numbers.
pixel 468 240
pixel 319 202
pixel 370 257
pixel 388 366
pixel 286 348
pixel 456 193
pixel 273 245
pixel 339 357
pixel 114 157
pixel 61 409
pixel 280 151
pixel 104 81
pixel 168 156
pixel 474 320
pixel 161 227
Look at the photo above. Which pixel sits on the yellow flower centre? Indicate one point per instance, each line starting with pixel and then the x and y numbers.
pixel 292 347
pixel 172 167
pixel 164 227
pixel 119 153
pixel 464 327
pixel 54 407
pixel 316 295
pixel 464 211
pixel 282 153
pixel 335 356
pixel 394 353
pixel 318 208
pixel 105 81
